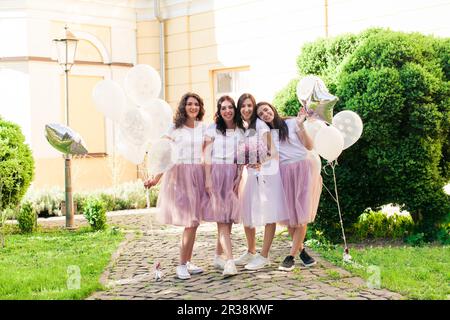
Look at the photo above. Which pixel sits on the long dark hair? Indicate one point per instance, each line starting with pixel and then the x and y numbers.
pixel 218 119
pixel 277 123
pixel 241 100
pixel 181 117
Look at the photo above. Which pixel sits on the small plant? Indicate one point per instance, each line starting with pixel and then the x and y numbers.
pixel 95 213
pixel 27 218
pixel 417 239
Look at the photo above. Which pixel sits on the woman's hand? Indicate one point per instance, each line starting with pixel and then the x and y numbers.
pixel 301 118
pixel 152 182
pixel 255 166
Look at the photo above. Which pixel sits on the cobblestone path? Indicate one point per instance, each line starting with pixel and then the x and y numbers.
pixel 130 274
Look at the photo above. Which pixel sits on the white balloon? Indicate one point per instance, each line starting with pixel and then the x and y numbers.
pixel 312 126
pixel 350 125
pixel 142 83
pixel 161 114
pixel 109 99
pixel 329 143
pixel 160 157
pixel 135 127
pixel 132 153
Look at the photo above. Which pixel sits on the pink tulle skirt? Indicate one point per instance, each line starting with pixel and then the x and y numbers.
pixel 223 205
pixel 182 198
pixel 302 184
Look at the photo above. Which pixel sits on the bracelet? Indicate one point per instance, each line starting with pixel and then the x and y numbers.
pixel 300 129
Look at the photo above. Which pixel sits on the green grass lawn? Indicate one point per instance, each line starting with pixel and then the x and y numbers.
pixel 44 265
pixel 415 272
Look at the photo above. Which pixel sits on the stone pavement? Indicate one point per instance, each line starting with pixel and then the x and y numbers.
pixel 130 274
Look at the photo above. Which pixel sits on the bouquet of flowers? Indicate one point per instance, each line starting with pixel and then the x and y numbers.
pixel 251 150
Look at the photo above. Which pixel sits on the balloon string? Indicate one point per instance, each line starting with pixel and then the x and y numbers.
pixel 323 184
pixel 339 207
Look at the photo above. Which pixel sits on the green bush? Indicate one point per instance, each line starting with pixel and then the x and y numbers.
pixel 16 165
pixel 95 213
pixel 27 218
pixel 377 225
pixel 399 85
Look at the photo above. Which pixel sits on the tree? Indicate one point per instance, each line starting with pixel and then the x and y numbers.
pixel 399 84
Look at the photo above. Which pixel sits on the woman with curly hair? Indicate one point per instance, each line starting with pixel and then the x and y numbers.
pixel 182 197
pixel 223 176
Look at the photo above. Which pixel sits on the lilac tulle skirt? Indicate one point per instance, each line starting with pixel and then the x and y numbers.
pixel 182 198
pixel 223 205
pixel 302 184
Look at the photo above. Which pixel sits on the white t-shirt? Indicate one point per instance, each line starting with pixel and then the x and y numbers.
pixel 292 150
pixel 224 146
pixel 188 143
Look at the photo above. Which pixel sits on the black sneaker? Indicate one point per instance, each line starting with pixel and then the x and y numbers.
pixel 288 264
pixel 307 260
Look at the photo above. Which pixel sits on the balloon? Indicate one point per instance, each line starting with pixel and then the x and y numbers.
pixel 350 125
pixel 131 152
pixel 160 157
pixel 314 96
pixel 161 114
pixel 64 139
pixel 305 88
pixel 109 99
pixel 312 126
pixel 142 83
pixel 135 127
pixel 329 143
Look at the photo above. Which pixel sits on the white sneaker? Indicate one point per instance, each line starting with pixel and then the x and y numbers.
pixel 218 262
pixel 182 272
pixel 257 263
pixel 193 269
pixel 229 268
pixel 244 259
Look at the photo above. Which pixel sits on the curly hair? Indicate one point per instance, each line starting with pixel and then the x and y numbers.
pixel 278 122
pixel 218 119
pixel 181 117
pixel 241 100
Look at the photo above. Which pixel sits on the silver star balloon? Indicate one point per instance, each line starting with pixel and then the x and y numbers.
pixel 64 139
pixel 315 98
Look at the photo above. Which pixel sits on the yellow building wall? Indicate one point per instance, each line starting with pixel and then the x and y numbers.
pixel 88 173
pixel 191 56
pixel 84 118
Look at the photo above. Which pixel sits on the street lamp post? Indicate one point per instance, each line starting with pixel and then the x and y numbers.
pixel 66 48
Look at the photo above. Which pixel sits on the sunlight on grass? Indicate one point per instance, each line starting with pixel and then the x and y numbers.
pixel 38 266
pixel 415 272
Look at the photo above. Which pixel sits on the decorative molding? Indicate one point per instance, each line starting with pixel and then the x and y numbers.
pixel 77 62
pixel 95 42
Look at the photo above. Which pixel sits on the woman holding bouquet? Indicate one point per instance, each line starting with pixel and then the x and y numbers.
pixel 301 179
pixel 182 197
pixel 262 199
pixel 222 177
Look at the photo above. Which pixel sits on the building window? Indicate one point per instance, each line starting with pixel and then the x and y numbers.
pixel 232 82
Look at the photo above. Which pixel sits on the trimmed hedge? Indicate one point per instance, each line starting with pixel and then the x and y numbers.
pixel 399 85
pixel 16 165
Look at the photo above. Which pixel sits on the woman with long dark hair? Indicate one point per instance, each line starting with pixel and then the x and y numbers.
pixel 262 201
pixel 302 183
pixel 182 198
pixel 222 177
